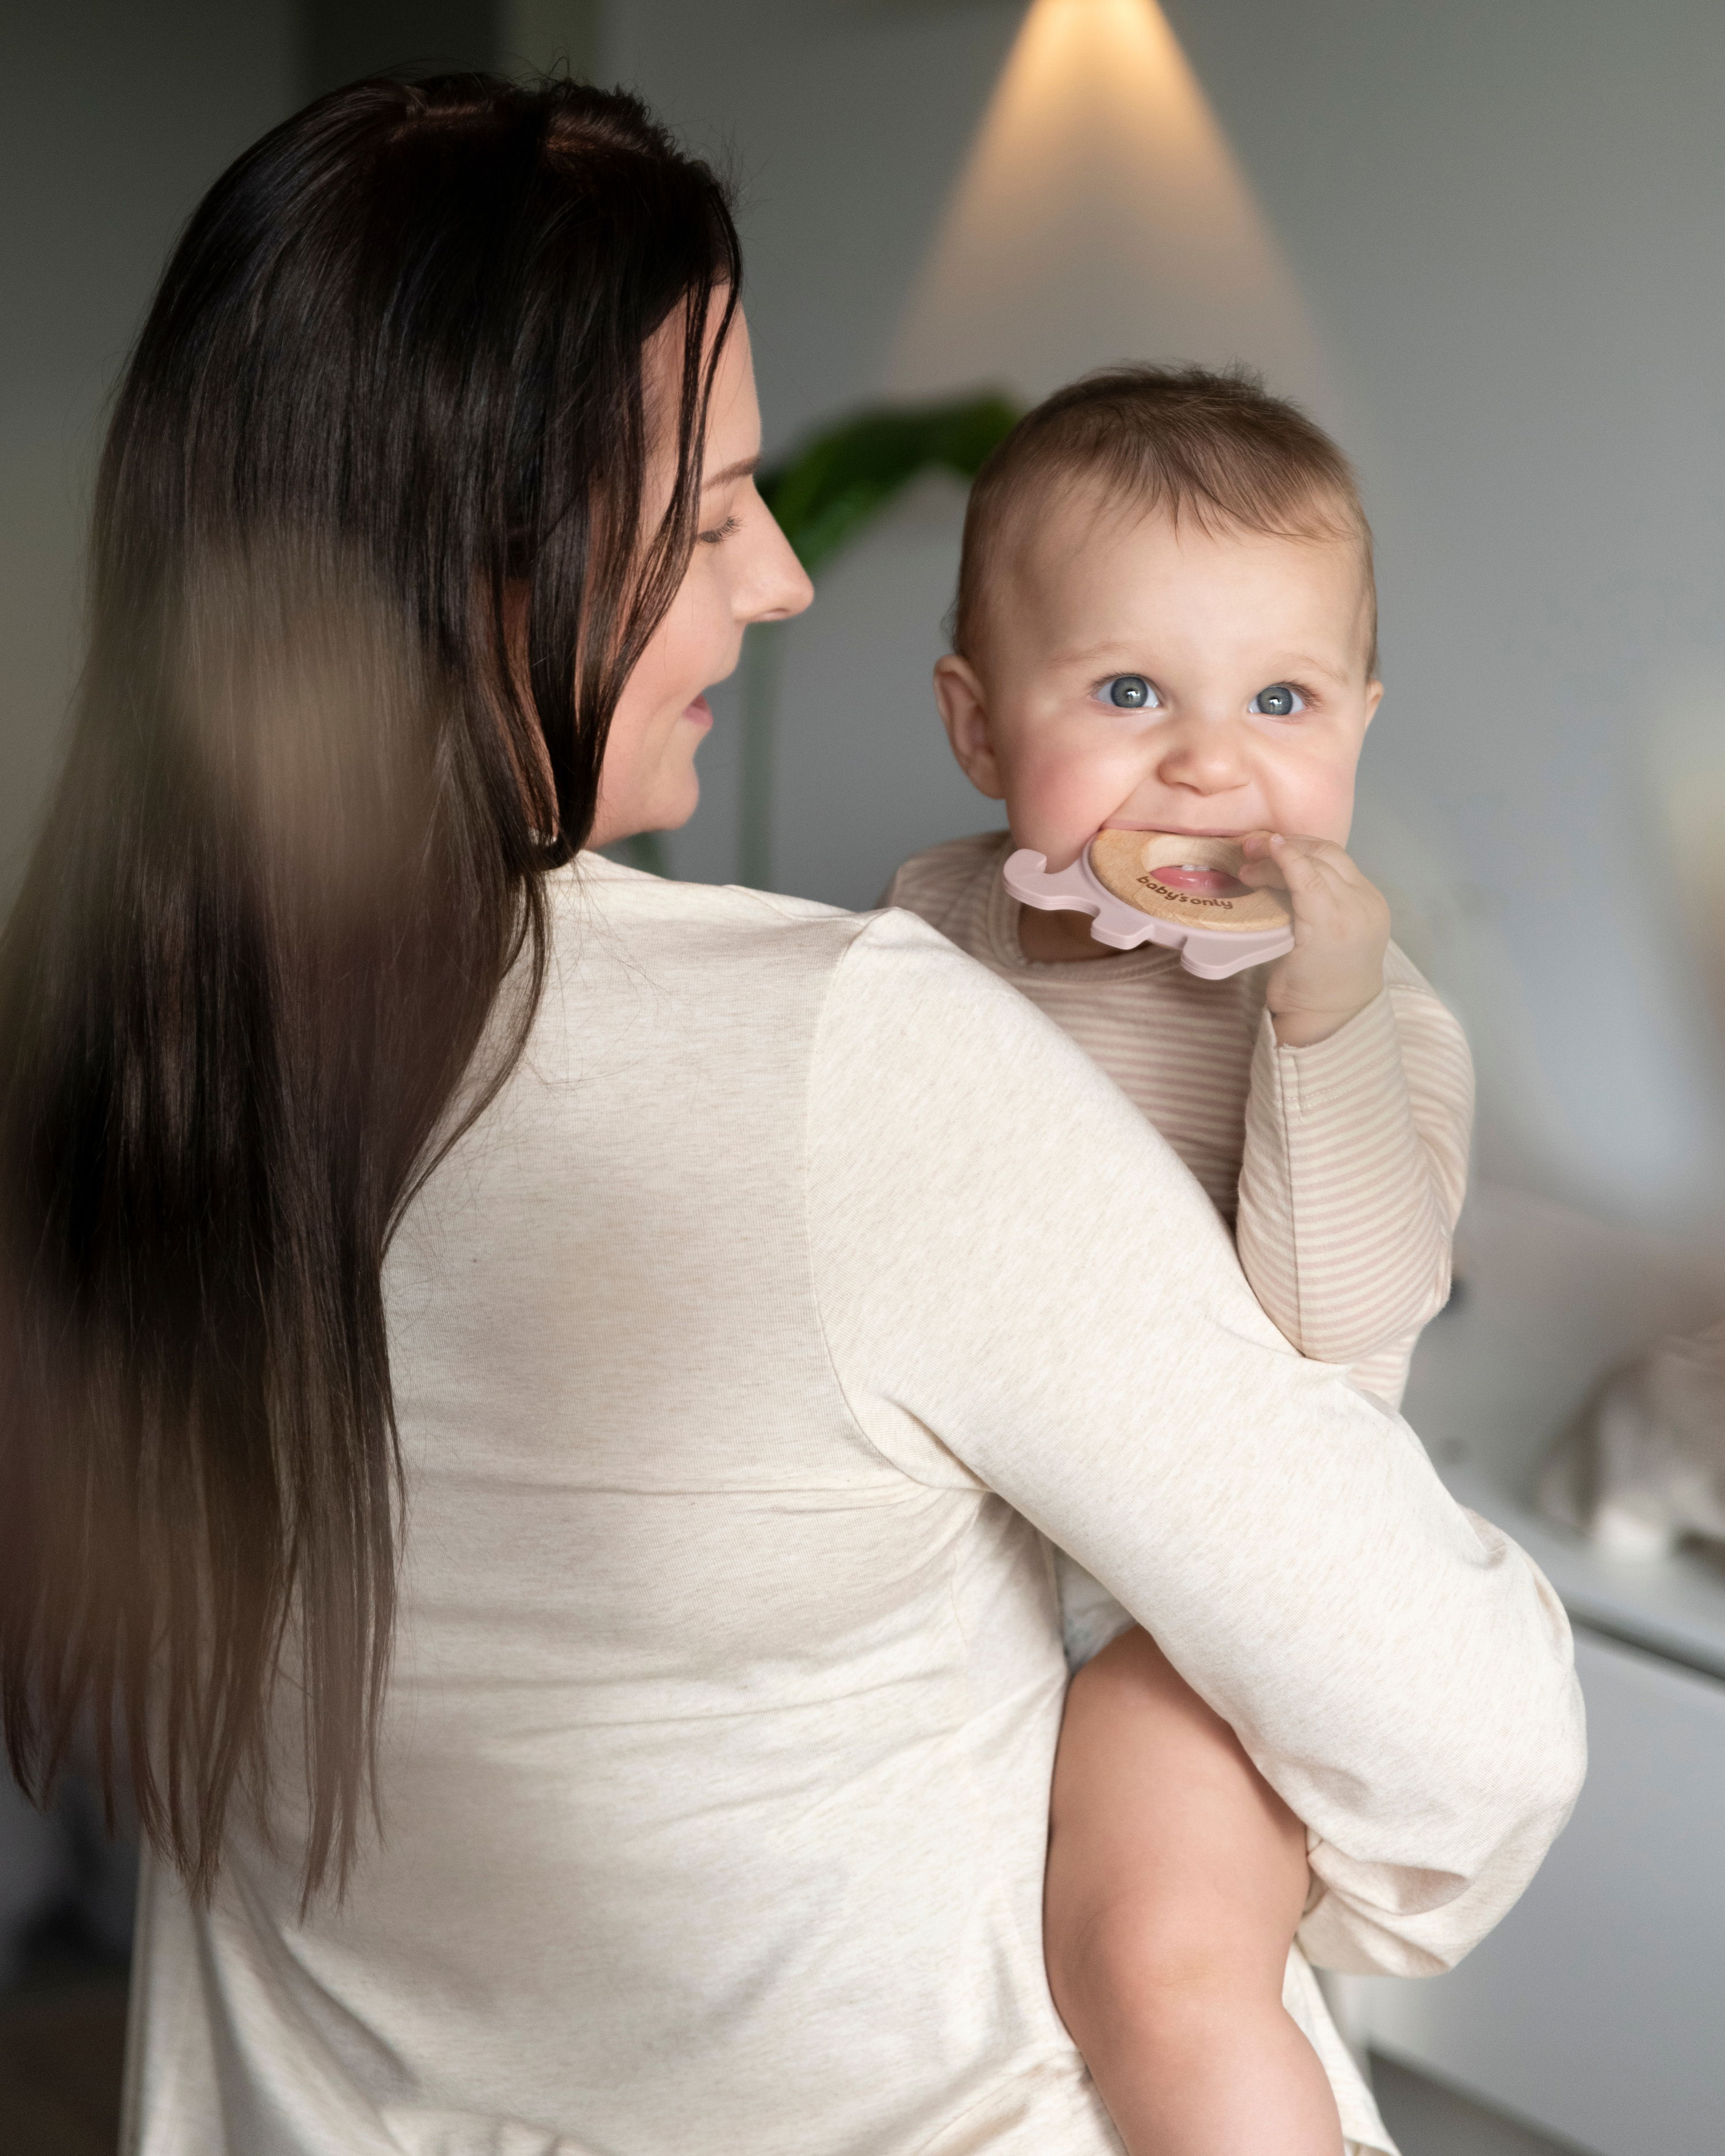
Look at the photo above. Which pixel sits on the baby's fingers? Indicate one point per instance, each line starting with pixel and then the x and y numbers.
pixel 1323 853
pixel 1311 869
pixel 1296 865
pixel 1261 867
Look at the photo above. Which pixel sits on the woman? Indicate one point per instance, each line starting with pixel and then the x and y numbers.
pixel 535 1395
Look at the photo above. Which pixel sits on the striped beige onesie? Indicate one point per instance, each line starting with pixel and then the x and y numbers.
pixel 1340 1168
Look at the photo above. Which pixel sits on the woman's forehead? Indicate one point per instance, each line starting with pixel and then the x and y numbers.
pixel 733 420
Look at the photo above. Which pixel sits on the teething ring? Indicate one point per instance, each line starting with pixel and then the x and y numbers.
pixel 1219 928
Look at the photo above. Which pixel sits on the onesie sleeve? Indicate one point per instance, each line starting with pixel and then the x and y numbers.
pixel 1022 1287
pixel 1353 1172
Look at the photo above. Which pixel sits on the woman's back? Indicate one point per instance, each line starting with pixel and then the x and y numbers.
pixel 715 1764
pixel 716 1759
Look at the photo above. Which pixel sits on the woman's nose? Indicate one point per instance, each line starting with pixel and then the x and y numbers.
pixel 778 586
pixel 1206 756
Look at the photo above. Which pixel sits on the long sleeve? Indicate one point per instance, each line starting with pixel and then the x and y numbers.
pixel 1022 1288
pixel 1353 1172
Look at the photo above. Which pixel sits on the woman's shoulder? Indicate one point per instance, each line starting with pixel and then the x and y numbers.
pixel 707 933
pixel 594 889
pixel 760 993
pixel 593 885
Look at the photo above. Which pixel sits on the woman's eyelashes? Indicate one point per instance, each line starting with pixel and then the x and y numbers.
pixel 1282 700
pixel 719 531
pixel 1128 692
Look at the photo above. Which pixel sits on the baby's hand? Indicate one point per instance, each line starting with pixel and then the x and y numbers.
pixel 1341 932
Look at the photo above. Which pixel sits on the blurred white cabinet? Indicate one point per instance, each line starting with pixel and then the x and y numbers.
pixel 1596 2011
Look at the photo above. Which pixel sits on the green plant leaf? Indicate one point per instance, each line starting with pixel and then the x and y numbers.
pixel 836 483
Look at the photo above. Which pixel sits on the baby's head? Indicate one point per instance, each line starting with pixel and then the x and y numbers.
pixel 1166 616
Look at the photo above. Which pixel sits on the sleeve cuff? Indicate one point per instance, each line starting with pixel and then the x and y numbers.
pixel 1357 1059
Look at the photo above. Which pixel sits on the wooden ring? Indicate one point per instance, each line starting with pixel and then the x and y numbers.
pixel 1125 862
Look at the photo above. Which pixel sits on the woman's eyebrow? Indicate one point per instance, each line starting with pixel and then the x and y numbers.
pixel 740 470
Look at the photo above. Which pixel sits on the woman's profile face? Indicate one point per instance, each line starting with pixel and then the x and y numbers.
pixel 741 569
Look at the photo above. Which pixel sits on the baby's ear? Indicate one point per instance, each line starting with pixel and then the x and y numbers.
pixel 964 713
pixel 1375 697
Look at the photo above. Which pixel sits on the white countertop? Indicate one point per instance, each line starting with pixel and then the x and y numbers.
pixel 1551 1299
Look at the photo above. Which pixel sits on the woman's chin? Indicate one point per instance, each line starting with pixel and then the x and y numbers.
pixel 666 812
pixel 679 804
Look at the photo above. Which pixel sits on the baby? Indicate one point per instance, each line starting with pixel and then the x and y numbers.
pixel 1167 621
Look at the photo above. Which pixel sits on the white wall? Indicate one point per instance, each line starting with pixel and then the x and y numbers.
pixel 115 119
pixel 1505 222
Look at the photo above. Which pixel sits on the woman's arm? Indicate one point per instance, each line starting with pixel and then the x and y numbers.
pixel 1021 1283
pixel 1354 1170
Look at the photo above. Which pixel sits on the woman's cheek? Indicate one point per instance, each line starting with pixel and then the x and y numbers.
pixel 711 631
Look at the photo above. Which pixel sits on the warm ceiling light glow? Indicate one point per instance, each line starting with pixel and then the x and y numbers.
pixel 1101 216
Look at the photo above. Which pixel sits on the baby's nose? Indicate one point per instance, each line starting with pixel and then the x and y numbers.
pixel 1204 756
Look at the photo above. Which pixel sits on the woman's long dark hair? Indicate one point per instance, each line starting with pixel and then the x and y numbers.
pixel 376 545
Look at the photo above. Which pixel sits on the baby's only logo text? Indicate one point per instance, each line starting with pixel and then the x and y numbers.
pixel 1185 897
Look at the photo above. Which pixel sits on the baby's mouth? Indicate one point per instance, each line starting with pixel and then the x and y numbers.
pixel 1202 882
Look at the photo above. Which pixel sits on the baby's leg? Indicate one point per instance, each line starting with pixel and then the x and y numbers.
pixel 1176 1878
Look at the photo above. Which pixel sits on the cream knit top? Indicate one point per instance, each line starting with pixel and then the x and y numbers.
pixel 801 1285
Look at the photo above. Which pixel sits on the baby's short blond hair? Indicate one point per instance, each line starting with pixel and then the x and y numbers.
pixel 1186 440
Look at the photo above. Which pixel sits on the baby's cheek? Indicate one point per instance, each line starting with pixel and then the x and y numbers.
pixel 1071 775
pixel 1313 797
pixel 1055 809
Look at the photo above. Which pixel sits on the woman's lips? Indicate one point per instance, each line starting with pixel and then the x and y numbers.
pixel 700 713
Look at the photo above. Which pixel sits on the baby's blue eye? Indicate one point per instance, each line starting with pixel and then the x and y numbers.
pixel 1280 701
pixel 1129 692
